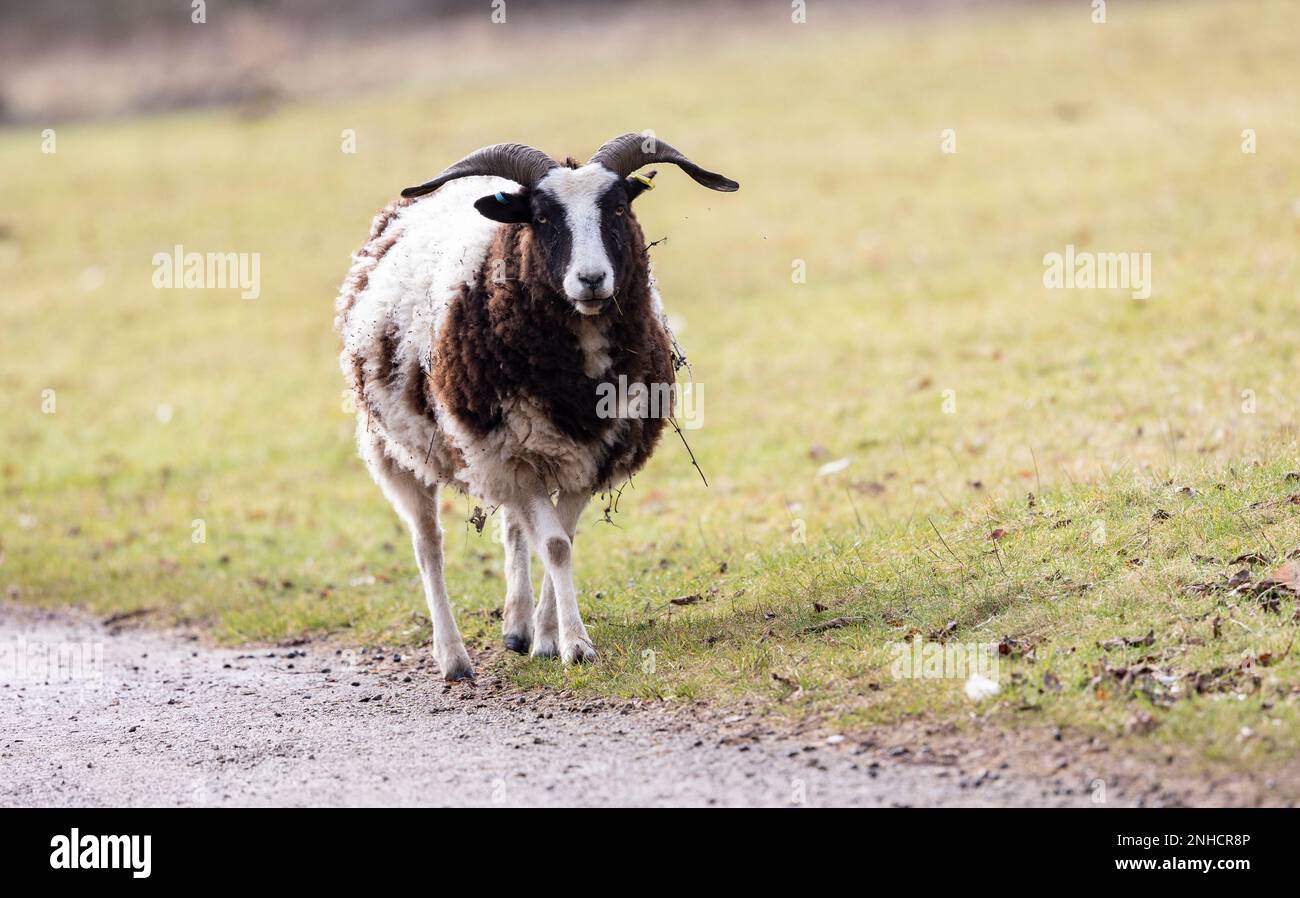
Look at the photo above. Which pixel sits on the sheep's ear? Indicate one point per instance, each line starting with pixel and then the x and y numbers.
pixel 508 208
pixel 639 184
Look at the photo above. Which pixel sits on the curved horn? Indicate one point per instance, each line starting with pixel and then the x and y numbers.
pixel 624 155
pixel 505 160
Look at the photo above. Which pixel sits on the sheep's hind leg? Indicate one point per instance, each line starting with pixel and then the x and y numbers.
pixel 517 622
pixel 546 632
pixel 418 506
pixel 546 629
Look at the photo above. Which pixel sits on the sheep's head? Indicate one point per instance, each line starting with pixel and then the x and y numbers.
pixel 580 216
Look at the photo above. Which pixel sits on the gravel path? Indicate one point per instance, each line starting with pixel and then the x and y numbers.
pixel 165 720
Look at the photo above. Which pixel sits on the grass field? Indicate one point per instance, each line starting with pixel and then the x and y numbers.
pixel 1042 469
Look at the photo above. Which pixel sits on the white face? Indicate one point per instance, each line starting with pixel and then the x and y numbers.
pixel 589 276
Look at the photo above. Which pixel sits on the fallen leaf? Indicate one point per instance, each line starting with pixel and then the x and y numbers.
pixel 1287 575
pixel 1120 642
pixel 944 632
pixel 834 623
pixel 1013 647
pixel 1250 558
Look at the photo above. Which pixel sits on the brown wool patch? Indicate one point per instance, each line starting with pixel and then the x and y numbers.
pixel 515 338
pixel 386 361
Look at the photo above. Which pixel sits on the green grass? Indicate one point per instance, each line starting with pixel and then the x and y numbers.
pixel 924 274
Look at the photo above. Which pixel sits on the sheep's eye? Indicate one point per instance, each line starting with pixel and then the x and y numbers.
pixel 619 210
pixel 540 219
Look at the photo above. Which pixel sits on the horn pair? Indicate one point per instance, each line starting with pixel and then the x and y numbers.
pixel 526 166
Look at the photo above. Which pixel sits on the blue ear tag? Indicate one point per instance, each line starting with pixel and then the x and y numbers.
pixel 500 198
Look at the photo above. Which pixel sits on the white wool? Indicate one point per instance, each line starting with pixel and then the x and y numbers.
pixel 440 245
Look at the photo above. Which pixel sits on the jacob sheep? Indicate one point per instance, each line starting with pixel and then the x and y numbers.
pixel 478 322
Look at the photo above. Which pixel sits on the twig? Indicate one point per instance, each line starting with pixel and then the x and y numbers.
pixel 848 492
pixel 1258 530
pixel 611 504
pixel 997 553
pixel 679 358
pixel 945 543
pixel 1233 620
pixel 673 422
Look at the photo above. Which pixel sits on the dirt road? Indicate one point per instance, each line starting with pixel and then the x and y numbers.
pixel 165 720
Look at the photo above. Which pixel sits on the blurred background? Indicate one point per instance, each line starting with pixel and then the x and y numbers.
pixel 887 381
pixel 69 59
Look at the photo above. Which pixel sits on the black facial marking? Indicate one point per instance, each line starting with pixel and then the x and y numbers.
pixel 554 233
pixel 615 213
pixel 554 236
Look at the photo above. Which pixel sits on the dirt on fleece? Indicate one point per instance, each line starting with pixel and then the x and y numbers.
pixel 167 720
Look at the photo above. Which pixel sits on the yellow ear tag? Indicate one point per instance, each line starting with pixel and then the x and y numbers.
pixel 649 184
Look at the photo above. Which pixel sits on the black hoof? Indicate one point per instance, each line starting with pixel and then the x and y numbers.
pixel 519 644
pixel 460 673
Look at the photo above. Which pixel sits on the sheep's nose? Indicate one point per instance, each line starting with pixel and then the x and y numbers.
pixel 592 280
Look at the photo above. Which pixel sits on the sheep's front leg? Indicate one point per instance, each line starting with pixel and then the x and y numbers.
pixel 546 629
pixel 553 541
pixel 517 622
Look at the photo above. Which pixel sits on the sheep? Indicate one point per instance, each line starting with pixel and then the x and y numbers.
pixel 478 322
